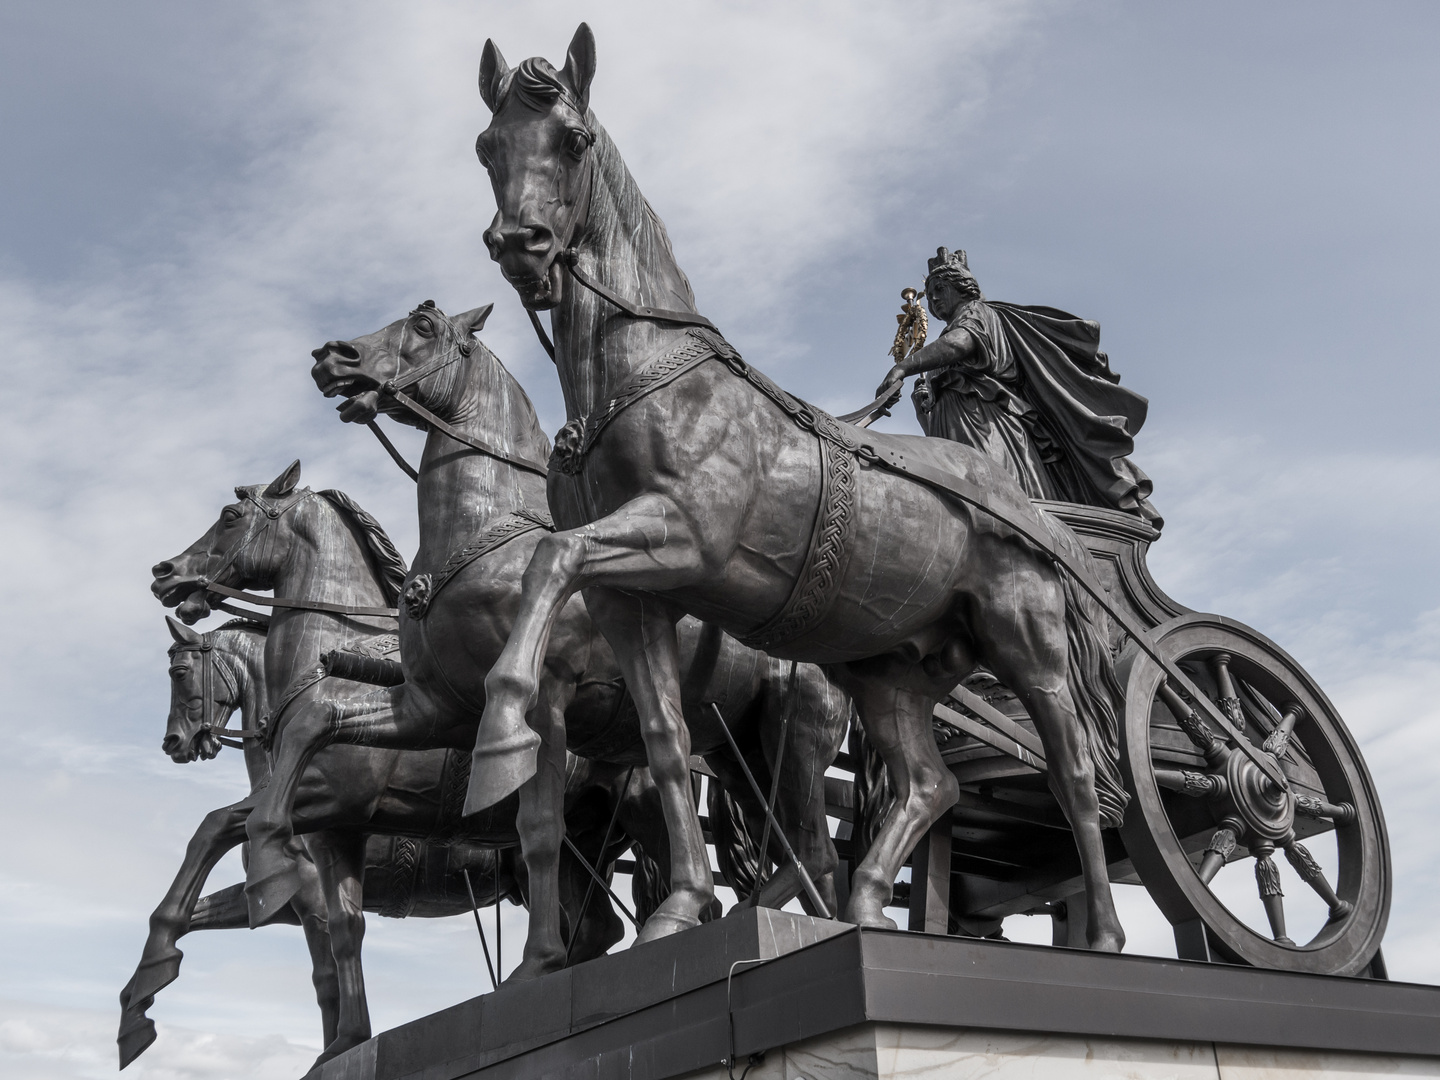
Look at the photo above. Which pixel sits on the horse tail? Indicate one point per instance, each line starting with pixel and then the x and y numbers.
pixel 648 885
pixel 1093 686
pixel 737 850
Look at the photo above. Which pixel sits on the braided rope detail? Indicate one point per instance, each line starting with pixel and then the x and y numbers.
pixel 400 899
pixel 454 781
pixel 824 563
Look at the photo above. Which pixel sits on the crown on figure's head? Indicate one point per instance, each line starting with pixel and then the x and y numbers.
pixel 953 267
pixel 947 259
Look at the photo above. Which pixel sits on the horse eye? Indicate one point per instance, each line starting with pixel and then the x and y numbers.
pixel 231 514
pixel 179 673
pixel 424 327
pixel 577 142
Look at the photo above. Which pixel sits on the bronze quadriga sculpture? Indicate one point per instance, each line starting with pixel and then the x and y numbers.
pixel 978 601
pixel 686 481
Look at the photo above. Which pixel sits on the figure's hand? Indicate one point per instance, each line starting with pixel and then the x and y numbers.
pixel 894 380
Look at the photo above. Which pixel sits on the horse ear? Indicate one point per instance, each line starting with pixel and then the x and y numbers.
pixel 285 483
pixel 580 64
pixel 493 71
pixel 473 321
pixel 182 634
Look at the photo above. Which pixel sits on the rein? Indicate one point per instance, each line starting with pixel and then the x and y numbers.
pixel 571 451
pixel 273 514
pixel 394 389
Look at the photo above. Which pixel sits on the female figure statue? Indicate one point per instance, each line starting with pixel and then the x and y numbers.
pixel 1030 387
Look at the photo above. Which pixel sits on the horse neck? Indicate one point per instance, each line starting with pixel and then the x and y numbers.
pixel 624 246
pixel 242 651
pixel 323 560
pixel 460 489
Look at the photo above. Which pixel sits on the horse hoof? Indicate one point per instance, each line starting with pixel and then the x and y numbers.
pixel 500 769
pixel 1111 943
pixel 135 1040
pixel 663 924
pixel 268 895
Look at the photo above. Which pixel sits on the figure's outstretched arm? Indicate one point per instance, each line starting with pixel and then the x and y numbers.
pixel 955 347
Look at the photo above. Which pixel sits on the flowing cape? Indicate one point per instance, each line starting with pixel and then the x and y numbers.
pixel 1068 379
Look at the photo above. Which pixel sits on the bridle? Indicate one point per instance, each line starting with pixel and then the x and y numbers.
pixel 461 346
pixel 209 661
pixel 272 513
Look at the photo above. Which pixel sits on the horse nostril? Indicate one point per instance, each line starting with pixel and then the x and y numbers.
pixel 170 744
pixel 162 569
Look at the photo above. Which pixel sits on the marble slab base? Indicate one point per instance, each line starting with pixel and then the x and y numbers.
pixel 825 1001
pixel 904 1052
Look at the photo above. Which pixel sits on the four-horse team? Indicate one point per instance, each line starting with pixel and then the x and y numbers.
pixel 707 576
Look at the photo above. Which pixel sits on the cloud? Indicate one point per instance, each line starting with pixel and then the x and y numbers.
pixel 804 157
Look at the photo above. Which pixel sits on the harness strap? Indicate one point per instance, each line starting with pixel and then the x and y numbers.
pixel 422 589
pixel 571 259
pixel 578 436
pixel 459 436
pixel 1030 526
pixel 574 440
pixel 395 454
pixel 300 605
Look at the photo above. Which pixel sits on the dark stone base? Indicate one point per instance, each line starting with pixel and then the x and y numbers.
pixel 660 1010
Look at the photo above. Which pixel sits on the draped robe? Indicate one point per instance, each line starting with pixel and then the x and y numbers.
pixel 1038 396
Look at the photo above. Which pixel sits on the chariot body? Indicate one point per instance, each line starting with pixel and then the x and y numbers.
pixel 1200 816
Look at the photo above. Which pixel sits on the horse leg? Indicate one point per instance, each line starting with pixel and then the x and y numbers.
pixel 817 725
pixel 312 910
pixel 273 877
pixel 1027 650
pixel 159 965
pixel 645 545
pixel 897 720
pixel 340 860
pixel 541 824
pixel 641 631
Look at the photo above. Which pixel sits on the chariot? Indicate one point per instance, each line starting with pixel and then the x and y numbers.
pixel 1199 811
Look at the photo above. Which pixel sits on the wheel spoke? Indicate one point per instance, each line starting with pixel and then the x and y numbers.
pixel 1228 700
pixel 1310 873
pixel 1267 880
pixel 1278 741
pixel 1191 723
pixel 1187 782
pixel 1340 813
pixel 1220 848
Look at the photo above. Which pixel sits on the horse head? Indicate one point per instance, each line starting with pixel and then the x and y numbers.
pixel 228 552
pixel 537 151
pixel 202 696
pixel 420 353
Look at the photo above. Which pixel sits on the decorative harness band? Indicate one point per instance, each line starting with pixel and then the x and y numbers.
pixel 422 589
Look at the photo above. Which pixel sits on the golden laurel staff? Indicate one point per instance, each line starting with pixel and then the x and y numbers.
pixel 910 335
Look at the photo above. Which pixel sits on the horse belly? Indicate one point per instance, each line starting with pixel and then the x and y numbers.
pixel 903 563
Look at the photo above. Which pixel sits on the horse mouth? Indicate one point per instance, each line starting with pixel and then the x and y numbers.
pixel 186 595
pixel 537 291
pixel 348 386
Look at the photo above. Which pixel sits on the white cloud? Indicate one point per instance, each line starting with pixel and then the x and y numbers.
pixel 175 365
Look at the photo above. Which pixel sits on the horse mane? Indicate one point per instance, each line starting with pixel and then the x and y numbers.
pixel 387 563
pixel 245 624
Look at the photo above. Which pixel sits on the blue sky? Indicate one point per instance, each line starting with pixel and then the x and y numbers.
pixel 196 196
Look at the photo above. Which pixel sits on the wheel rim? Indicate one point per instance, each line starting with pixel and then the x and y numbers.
pixel 1200 806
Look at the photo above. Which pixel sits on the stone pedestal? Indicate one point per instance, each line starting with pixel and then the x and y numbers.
pixel 832 1002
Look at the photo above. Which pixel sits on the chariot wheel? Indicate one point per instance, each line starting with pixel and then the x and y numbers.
pixel 1208 832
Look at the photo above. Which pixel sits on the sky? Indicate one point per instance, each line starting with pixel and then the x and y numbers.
pixel 195 196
